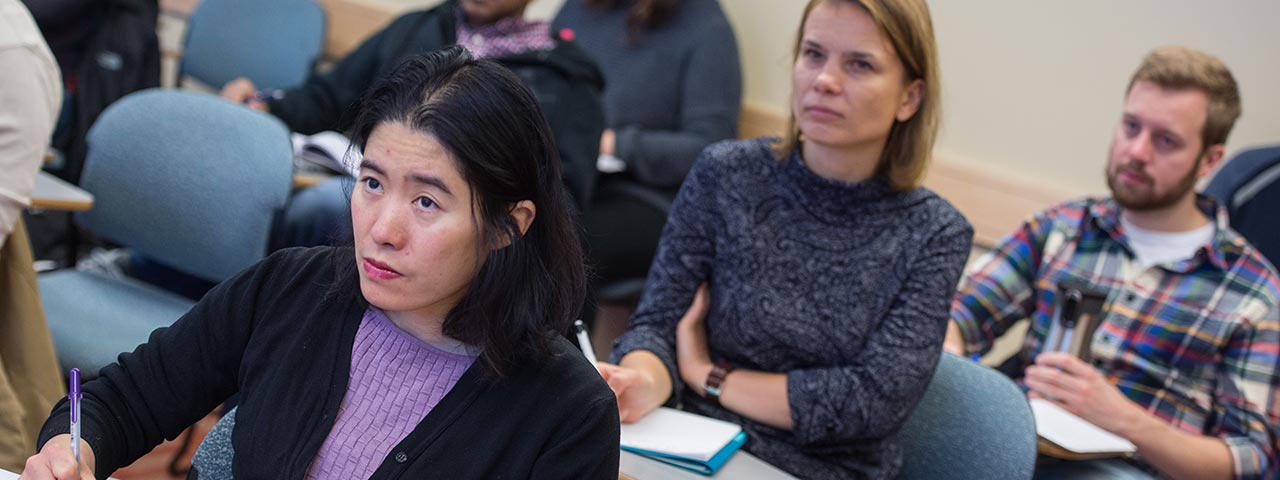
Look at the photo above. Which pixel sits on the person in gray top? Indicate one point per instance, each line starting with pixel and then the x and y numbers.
pixel 829 270
pixel 673 85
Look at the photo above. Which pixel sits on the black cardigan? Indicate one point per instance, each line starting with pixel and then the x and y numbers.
pixel 272 334
pixel 566 82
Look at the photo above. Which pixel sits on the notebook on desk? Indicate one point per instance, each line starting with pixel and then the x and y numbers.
pixel 326 151
pixel 686 440
pixel 1079 438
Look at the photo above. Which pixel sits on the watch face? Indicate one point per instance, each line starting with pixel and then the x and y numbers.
pixel 712 391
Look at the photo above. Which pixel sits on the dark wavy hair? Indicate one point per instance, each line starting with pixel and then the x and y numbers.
pixel 526 293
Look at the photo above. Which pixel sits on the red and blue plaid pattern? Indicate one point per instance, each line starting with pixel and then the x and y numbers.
pixel 1196 342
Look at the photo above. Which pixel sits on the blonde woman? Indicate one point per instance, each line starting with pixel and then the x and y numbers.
pixel 829 269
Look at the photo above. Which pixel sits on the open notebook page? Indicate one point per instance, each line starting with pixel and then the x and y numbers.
pixel 679 433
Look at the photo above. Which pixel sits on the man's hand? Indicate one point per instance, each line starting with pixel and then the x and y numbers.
pixel 607 142
pixel 955 341
pixel 693 356
pixel 1079 388
pixel 242 90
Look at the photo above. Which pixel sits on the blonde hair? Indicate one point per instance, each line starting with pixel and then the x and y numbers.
pixel 1178 68
pixel 909 28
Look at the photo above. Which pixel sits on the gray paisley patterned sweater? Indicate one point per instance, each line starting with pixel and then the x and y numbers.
pixel 843 287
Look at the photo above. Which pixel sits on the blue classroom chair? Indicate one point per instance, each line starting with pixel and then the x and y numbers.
pixel 1247 186
pixel 186 179
pixel 973 422
pixel 275 43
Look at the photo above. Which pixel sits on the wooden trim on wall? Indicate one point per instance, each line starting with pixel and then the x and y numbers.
pixel 995 202
pixel 348 23
pixel 759 121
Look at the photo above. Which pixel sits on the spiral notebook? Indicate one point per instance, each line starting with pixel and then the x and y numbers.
pixel 686 440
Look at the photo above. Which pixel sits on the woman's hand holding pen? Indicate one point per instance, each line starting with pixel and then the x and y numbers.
pixel 242 90
pixel 639 389
pixel 641 381
pixel 56 462
pixel 693 356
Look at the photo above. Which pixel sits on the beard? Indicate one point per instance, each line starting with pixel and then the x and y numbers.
pixel 1144 197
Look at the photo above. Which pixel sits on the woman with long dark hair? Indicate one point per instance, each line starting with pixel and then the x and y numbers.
pixel 431 347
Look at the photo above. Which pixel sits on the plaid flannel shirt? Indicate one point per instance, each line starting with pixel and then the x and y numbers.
pixel 1196 342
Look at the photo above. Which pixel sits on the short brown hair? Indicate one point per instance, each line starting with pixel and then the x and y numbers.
pixel 909 28
pixel 1178 68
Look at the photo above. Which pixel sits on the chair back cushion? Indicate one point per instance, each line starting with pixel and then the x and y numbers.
pixel 187 179
pixel 274 43
pixel 973 422
pixel 212 460
pixel 1249 186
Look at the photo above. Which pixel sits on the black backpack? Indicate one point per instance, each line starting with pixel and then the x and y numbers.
pixel 121 56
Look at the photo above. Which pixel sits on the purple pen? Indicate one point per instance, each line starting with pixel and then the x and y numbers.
pixel 74 396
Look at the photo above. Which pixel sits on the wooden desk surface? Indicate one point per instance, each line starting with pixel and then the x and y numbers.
pixel 307 179
pixel 1047 448
pixel 52 193
pixel 350 22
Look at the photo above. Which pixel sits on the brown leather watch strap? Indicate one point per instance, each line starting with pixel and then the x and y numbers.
pixel 714 381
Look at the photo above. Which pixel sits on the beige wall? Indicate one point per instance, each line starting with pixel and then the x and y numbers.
pixel 1034 88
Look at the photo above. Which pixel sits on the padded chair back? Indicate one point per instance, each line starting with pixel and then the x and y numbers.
pixel 656 202
pixel 212 460
pixel 275 43
pixel 1248 186
pixel 973 422
pixel 187 179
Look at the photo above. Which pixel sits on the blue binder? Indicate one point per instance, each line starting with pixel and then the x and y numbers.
pixel 707 467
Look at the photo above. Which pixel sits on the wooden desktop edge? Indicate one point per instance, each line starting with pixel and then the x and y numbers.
pixel 1051 449
pixel 62 205
pixel 52 193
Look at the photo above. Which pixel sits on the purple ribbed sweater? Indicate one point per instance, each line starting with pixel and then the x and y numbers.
pixel 395 380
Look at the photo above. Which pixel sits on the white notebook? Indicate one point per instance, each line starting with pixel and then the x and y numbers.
pixel 1074 433
pixel 330 150
pixel 683 439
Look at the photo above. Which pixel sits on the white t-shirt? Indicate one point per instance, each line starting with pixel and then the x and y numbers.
pixel 30 97
pixel 1154 247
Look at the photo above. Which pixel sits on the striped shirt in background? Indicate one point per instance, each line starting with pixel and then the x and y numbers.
pixel 1197 342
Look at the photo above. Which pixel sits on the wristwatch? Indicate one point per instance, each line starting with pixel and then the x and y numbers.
pixel 714 380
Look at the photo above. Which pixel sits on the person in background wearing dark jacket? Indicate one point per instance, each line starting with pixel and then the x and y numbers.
pixel 434 351
pixel 673 86
pixel 106 50
pixel 565 81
